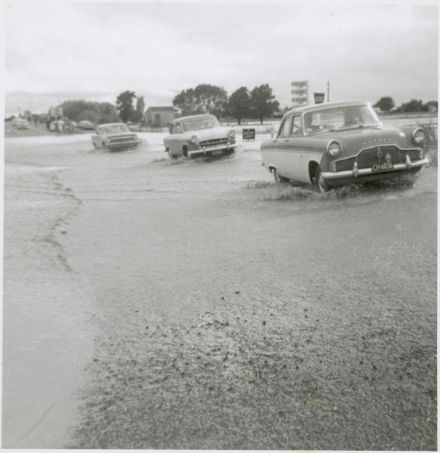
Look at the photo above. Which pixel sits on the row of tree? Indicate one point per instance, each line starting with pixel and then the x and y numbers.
pixel 96 112
pixel 105 112
pixel 386 104
pixel 258 103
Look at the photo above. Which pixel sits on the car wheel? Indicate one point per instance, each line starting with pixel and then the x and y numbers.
pixel 407 181
pixel 278 178
pixel 185 151
pixel 172 156
pixel 319 183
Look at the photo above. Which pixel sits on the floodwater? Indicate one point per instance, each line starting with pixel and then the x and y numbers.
pixel 156 303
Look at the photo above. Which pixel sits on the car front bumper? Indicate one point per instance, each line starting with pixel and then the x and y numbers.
pixel 212 150
pixel 364 174
pixel 124 144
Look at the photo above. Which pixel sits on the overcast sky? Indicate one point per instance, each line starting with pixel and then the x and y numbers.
pixel 159 49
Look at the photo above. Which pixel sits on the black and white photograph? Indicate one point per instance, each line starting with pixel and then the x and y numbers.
pixel 220 225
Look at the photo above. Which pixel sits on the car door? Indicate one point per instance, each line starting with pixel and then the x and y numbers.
pixel 294 150
pixel 287 148
pixel 273 153
pixel 173 142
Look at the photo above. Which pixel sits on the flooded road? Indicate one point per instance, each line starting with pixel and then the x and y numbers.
pixel 207 308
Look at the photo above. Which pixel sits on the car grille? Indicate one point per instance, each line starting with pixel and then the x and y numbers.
pixel 345 164
pixel 214 142
pixel 414 154
pixel 367 157
pixel 123 139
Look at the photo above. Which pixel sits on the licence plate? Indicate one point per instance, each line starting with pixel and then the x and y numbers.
pixel 381 166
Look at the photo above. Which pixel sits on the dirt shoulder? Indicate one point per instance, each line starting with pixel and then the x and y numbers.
pixel 47 329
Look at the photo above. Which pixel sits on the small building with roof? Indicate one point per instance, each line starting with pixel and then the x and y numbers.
pixel 160 116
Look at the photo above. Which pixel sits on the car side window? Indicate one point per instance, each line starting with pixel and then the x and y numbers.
pixel 176 129
pixel 285 128
pixel 297 125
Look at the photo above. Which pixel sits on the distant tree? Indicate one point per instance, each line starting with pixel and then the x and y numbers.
pixel 140 108
pixel 107 113
pixel 263 102
pixel 89 115
pixel 124 105
pixel 204 98
pixel 432 106
pixel 413 105
pixel 97 112
pixel 73 109
pixel 186 102
pixel 385 104
pixel 239 104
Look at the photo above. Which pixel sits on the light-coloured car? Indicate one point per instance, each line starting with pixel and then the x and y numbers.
pixel 337 143
pixel 199 135
pixel 114 136
pixel 20 123
pixel 86 125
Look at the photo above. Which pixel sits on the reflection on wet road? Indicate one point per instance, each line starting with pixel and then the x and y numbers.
pixel 234 313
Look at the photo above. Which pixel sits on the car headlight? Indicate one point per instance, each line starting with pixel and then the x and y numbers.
pixel 334 149
pixel 418 136
pixel 231 136
pixel 194 140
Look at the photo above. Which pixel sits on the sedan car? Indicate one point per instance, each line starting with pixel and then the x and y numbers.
pixel 337 143
pixel 114 136
pixel 20 123
pixel 86 125
pixel 199 135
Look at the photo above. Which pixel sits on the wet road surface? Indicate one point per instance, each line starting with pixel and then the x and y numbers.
pixel 231 313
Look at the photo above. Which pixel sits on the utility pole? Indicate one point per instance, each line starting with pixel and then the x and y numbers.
pixel 328 91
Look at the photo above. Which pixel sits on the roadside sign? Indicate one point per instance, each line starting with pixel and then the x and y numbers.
pixel 248 134
pixel 319 98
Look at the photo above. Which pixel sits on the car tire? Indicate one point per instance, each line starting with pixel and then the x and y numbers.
pixel 319 184
pixel 278 178
pixel 407 181
pixel 172 156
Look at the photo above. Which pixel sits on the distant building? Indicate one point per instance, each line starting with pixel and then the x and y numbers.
pixel 160 116
pixel 300 93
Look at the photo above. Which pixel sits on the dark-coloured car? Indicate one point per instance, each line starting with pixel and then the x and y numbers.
pixel 337 143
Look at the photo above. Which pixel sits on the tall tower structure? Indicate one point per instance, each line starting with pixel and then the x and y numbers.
pixel 300 93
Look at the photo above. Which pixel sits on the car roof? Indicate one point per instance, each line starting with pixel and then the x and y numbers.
pixel 203 115
pixel 327 105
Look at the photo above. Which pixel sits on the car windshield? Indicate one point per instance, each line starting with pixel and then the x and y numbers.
pixel 340 118
pixel 195 124
pixel 113 129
